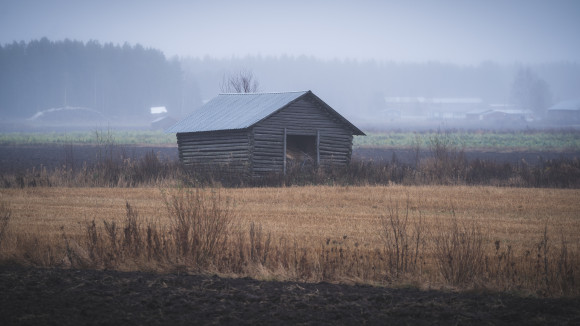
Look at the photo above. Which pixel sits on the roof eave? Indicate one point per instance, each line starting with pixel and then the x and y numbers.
pixel 210 131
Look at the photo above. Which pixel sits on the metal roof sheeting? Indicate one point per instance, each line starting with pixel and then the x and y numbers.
pixel 234 111
pixel 570 105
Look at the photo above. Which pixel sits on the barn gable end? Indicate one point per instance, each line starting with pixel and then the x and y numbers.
pixel 264 133
pixel 300 126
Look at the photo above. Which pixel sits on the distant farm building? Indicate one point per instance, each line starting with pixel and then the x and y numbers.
pixel 434 107
pixel 162 123
pixel 502 113
pixel 508 115
pixel 262 133
pixel 160 118
pixel 566 111
pixel 69 115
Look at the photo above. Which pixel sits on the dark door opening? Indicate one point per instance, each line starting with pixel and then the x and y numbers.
pixel 301 151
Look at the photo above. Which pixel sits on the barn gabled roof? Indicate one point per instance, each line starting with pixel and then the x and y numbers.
pixel 243 110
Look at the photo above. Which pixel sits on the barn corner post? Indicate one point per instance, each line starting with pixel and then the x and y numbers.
pixel 317 148
pixel 250 163
pixel 284 153
pixel 349 153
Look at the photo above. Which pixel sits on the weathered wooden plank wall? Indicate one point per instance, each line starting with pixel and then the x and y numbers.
pixel 303 117
pixel 229 149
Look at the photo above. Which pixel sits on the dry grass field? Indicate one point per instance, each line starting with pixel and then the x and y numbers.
pixel 522 240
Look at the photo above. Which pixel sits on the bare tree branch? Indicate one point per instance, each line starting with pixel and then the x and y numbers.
pixel 241 82
pixel 530 92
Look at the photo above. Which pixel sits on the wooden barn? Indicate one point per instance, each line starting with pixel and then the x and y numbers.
pixel 263 133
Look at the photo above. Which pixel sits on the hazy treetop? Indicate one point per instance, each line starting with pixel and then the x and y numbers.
pixel 454 31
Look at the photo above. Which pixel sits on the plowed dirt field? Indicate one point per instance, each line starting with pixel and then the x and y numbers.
pixel 86 297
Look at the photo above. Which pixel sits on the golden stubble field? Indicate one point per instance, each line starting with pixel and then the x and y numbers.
pixel 507 238
pixel 316 213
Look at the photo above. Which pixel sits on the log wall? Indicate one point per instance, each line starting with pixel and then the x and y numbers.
pixel 228 150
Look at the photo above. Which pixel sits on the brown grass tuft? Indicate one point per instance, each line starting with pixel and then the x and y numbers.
pixel 459 252
pixel 5 215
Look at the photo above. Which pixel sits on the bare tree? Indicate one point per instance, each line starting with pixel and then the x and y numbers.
pixel 241 82
pixel 530 92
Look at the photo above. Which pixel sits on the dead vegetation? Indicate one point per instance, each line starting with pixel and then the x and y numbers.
pixel 444 163
pixel 5 214
pixel 428 237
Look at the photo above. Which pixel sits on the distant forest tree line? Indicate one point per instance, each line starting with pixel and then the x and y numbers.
pixel 118 81
pixel 122 81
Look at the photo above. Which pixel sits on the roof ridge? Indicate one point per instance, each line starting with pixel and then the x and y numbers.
pixel 260 93
pixel 241 112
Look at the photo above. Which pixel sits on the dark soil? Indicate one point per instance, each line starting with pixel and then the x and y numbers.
pixel 30 296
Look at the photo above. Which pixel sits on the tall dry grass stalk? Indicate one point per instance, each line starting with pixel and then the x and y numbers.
pixel 404 239
pixel 200 223
pixel 5 215
pixel 196 235
pixel 550 266
pixel 459 250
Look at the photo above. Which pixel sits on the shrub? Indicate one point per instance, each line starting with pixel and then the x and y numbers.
pixel 459 252
pixel 200 223
pixel 404 240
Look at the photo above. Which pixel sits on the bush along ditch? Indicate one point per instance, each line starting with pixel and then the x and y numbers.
pixel 444 168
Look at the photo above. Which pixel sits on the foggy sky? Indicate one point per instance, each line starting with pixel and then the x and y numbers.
pixel 452 31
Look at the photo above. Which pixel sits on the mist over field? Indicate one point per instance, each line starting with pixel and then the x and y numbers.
pixel 70 65
pixel 448 195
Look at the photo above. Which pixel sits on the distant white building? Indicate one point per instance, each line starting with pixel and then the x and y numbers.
pixel 501 113
pixel 158 110
pixel 161 120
